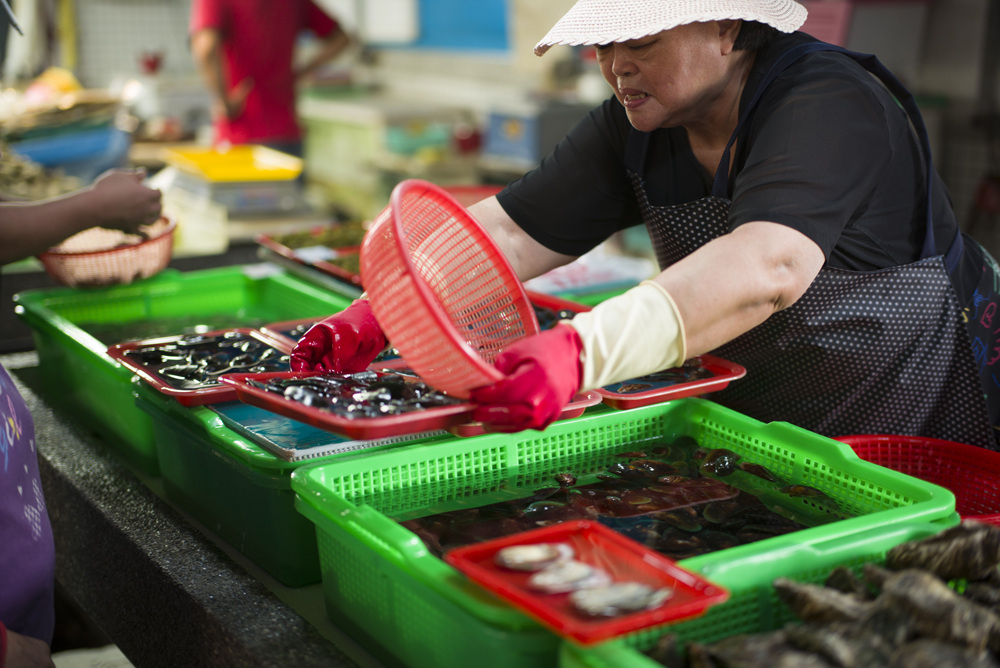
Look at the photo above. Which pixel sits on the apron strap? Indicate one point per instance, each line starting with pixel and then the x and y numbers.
pixel 720 184
pixel 636 147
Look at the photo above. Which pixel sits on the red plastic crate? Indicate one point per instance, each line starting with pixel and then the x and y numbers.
pixel 971 473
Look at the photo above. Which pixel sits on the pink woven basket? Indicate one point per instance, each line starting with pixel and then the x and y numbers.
pixel 100 257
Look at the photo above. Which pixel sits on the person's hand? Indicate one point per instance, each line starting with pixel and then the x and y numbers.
pixel 346 342
pixel 236 99
pixel 26 652
pixel 122 202
pixel 543 375
pixel 628 336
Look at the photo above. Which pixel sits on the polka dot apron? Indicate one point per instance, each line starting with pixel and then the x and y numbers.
pixel 888 351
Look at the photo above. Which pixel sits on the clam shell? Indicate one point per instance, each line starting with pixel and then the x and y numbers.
pixel 618 599
pixel 532 557
pixel 569 575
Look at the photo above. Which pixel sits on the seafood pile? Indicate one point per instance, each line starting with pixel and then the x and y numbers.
pixel 339 235
pixel 349 262
pixel 678 499
pixel 592 591
pixel 935 602
pixel 367 394
pixel 196 361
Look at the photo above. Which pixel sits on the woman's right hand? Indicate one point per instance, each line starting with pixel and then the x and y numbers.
pixel 346 342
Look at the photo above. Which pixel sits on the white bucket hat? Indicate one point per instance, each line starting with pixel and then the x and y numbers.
pixel 607 21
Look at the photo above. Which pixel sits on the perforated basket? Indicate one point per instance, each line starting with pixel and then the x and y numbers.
pixel 99 256
pixel 970 472
pixel 440 288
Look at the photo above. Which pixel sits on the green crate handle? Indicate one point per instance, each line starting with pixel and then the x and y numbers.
pixel 731 573
pixel 373 529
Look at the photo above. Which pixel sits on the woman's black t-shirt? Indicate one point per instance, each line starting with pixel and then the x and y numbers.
pixel 828 152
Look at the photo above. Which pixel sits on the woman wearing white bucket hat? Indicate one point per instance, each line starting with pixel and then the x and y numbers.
pixel 786 197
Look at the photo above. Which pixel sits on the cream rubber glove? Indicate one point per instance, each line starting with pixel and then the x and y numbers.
pixel 631 335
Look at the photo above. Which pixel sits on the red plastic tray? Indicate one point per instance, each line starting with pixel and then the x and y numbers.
pixel 323 266
pixel 723 373
pixel 595 544
pixel 429 419
pixel 208 394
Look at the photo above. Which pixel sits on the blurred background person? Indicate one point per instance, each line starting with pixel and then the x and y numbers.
pixel 245 52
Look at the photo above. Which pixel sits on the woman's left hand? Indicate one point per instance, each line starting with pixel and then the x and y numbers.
pixel 543 375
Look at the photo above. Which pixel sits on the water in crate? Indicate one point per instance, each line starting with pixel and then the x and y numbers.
pixel 676 498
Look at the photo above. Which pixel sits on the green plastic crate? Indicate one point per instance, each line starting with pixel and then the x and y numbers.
pixel 81 377
pixel 381 583
pixel 593 298
pixel 753 605
pixel 234 487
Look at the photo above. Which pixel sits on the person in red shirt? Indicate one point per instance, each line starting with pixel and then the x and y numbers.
pixel 245 51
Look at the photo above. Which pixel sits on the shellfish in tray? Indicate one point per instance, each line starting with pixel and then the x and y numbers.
pixel 566 576
pixel 533 557
pixel 627 388
pixel 618 598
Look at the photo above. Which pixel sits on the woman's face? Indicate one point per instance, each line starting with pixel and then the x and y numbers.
pixel 671 78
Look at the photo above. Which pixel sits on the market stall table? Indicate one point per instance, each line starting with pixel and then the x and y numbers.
pixel 154 582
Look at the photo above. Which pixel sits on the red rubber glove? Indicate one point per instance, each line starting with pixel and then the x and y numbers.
pixel 543 375
pixel 346 342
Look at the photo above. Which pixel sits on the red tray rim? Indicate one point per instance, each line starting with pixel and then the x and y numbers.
pixel 284 251
pixel 724 372
pixel 200 396
pixel 554 302
pixel 544 607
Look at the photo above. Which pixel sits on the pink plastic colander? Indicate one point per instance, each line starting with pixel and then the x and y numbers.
pixel 444 294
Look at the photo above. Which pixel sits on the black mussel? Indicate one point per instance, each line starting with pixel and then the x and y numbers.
pixel 720 462
pixel 154 356
pixel 185 376
pixel 565 479
pixel 757 470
